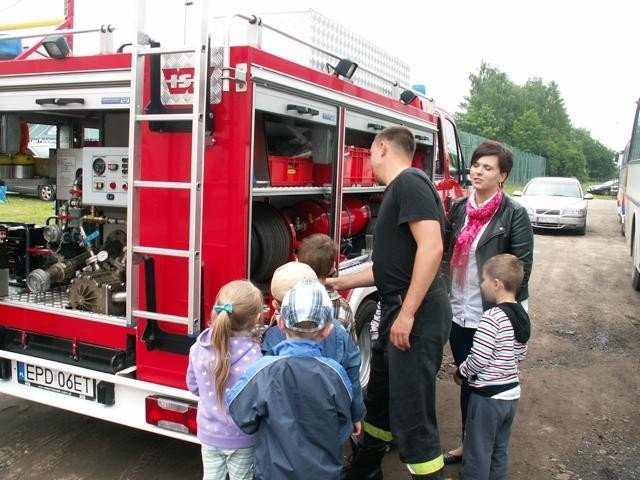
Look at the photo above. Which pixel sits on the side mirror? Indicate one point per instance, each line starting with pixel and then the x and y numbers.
pixel 588 196
pixel 517 193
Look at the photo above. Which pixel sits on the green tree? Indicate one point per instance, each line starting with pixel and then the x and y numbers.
pixel 564 158
pixel 492 88
pixel 532 117
pixel 481 121
pixel 548 103
pixel 600 163
pixel 528 132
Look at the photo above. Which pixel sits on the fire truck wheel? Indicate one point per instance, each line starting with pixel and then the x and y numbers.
pixel 635 279
pixel 255 251
pixel 363 317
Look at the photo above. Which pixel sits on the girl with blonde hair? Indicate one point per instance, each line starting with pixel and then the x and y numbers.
pixel 219 357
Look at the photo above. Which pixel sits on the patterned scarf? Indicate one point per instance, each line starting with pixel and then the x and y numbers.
pixel 477 217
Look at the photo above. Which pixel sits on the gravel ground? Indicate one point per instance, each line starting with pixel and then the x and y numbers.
pixel 578 417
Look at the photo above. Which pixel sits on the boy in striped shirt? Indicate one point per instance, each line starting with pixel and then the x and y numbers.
pixel 491 369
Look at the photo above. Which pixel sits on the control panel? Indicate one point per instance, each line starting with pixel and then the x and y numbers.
pixel 105 172
pixel 68 162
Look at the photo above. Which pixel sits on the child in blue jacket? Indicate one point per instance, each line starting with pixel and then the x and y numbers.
pixel 299 401
pixel 338 344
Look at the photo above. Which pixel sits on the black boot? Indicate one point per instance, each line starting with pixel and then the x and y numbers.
pixel 364 463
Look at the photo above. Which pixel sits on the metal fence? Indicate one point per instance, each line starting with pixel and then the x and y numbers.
pixel 526 165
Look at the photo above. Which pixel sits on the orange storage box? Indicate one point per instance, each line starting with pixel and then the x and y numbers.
pixel 290 172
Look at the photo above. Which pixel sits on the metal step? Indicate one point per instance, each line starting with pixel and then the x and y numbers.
pixel 165 117
pixel 167 252
pixel 163 317
pixel 164 185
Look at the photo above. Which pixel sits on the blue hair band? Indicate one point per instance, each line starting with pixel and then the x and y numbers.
pixel 227 307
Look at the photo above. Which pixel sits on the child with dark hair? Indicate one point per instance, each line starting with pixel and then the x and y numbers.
pixel 491 370
pixel 319 251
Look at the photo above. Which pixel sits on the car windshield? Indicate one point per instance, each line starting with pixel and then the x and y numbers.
pixel 554 189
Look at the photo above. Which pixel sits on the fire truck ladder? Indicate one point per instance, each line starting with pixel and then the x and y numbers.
pixel 142 48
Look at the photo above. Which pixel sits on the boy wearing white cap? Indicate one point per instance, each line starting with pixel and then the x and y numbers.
pixel 298 402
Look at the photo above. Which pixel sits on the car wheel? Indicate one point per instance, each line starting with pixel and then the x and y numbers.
pixel 582 230
pixel 363 317
pixel 46 193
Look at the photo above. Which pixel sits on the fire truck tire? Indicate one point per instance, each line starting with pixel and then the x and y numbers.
pixel 255 251
pixel 635 278
pixel 274 242
pixel 363 317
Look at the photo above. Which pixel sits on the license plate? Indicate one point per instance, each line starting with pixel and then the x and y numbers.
pixel 57 381
pixel 546 219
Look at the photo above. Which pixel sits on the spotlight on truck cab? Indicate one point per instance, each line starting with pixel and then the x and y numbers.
pixel 345 68
pixel 56 46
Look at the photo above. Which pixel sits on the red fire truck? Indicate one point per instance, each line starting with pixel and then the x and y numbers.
pixel 211 164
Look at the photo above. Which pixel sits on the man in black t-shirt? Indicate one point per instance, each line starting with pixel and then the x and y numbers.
pixel 416 315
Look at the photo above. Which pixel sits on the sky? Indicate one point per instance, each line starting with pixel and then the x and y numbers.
pixel 584 46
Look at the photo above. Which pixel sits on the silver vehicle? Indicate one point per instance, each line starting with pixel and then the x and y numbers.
pixel 555 203
pixel 23 181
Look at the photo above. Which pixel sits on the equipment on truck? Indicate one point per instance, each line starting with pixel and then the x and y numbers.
pixel 203 165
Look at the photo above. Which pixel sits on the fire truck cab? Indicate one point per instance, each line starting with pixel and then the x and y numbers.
pixel 212 164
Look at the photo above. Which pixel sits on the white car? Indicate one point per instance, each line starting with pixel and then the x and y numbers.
pixel 555 203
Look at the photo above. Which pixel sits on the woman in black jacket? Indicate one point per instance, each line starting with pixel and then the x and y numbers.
pixel 484 224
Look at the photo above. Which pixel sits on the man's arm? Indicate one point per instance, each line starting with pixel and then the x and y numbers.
pixel 429 250
pixel 363 278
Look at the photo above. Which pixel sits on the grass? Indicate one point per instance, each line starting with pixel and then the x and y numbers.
pixel 509 188
pixel 25 209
